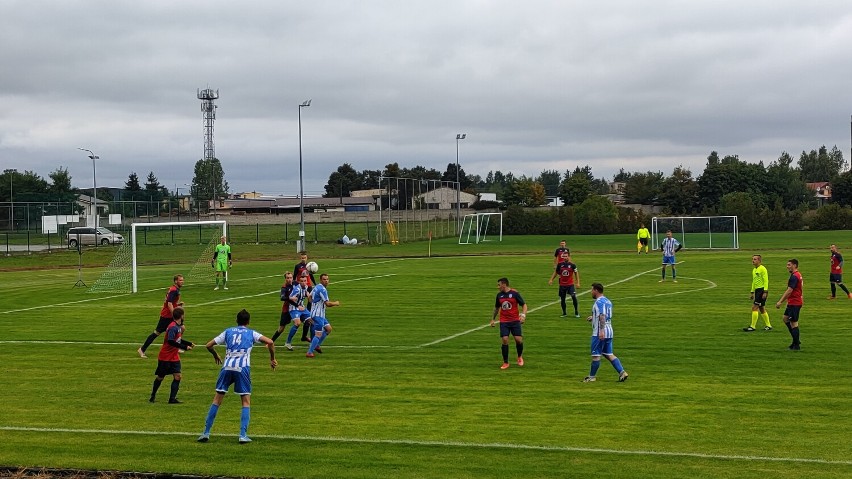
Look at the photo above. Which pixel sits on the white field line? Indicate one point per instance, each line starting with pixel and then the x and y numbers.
pixel 454 336
pixel 472 445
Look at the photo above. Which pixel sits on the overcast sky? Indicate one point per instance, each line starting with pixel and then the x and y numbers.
pixel 643 85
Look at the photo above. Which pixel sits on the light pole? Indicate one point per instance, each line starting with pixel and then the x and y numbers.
pixel 94 184
pixel 191 195
pixel 11 172
pixel 301 245
pixel 177 194
pixel 460 136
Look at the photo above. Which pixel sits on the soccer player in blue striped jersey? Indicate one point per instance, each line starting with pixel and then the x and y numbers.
pixel 602 334
pixel 669 246
pixel 299 314
pixel 319 302
pixel 236 370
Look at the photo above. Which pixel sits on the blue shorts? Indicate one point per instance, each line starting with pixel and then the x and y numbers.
pixel 511 327
pixel 301 315
pixel 241 379
pixel 319 323
pixel 669 260
pixel 601 346
pixel 792 312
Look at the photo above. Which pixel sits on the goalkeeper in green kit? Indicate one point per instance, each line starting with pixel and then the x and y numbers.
pixel 221 262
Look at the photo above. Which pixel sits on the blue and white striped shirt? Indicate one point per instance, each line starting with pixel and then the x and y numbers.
pixel 300 293
pixel 238 342
pixel 669 246
pixel 602 306
pixel 320 296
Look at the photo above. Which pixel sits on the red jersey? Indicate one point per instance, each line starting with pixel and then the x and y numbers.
pixel 173 297
pixel 168 352
pixel 509 304
pixel 299 270
pixel 795 282
pixel 836 263
pixel 565 270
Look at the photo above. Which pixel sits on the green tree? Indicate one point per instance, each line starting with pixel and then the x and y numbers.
pixel 596 215
pixel 679 192
pixel 208 180
pixel 783 183
pixel 643 188
pixel 821 165
pixel 550 180
pixel 343 181
pixel 727 176
pixel 526 192
pixel 841 189
pixel 746 206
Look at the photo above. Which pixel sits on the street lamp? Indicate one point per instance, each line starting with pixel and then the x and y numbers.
pixel 11 172
pixel 94 184
pixel 301 245
pixel 460 136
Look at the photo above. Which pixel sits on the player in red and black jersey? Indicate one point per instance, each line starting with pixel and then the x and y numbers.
pixel 560 251
pixel 286 292
pixel 171 302
pixel 836 276
pixel 168 361
pixel 513 312
pixel 569 280
pixel 793 296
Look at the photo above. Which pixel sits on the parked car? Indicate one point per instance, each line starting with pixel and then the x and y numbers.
pixel 92 236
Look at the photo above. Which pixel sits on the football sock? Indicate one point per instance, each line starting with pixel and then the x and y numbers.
pixel 674 272
pixel 664 273
pixel 833 290
pixel 150 339
pixel 519 347
pixel 795 334
pixel 843 287
pixel 574 300
pixel 616 363
pixel 157 382
pixel 563 304
pixel 244 420
pixel 754 315
pixel 594 369
pixel 275 336
pixel 174 391
pixel 504 348
pixel 765 317
pixel 314 343
pixel 322 338
pixel 217 281
pixel 211 416
pixel 789 328
pixel 292 333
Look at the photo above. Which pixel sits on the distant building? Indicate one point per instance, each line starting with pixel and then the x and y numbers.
pixel 822 191
pixel 444 199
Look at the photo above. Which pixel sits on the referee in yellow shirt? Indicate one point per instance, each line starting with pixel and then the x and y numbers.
pixel 642 237
pixel 759 289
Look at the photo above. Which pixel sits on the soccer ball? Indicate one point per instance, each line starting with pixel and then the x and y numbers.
pixel 312 267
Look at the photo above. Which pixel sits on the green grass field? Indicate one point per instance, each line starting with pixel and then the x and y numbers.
pixel 409 384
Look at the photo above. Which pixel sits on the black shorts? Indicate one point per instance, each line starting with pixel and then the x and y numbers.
pixel 165 368
pixel 285 318
pixel 643 241
pixel 563 290
pixel 759 299
pixel 511 327
pixel 163 324
pixel 792 312
pixel 835 278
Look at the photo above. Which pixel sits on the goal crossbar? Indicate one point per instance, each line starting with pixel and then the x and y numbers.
pixel 133 242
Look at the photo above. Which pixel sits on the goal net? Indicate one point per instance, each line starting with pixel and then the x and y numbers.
pixel 480 227
pixel 697 232
pixel 160 250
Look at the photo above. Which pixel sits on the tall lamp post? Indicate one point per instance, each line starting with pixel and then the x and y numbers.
pixel 301 244
pixel 11 172
pixel 94 184
pixel 460 136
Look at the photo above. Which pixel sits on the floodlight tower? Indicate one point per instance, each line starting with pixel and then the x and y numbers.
pixel 208 96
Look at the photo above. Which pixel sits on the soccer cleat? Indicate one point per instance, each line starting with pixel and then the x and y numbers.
pixel 849 295
pixel 794 347
pixel 288 346
pixel 141 353
pixel 767 328
pixel 589 379
pixel 225 288
pixel 623 376
pixel 151 399
pixel 175 401
pixel 520 361
pixel 563 315
pixel 204 437
pixel 505 366
pixel 748 329
pixel 831 297
pixel 661 281
pixel 244 440
pixel 306 340
pixel 318 350
pixel 576 315
pixel 309 355
pixel 674 281
pixel 216 288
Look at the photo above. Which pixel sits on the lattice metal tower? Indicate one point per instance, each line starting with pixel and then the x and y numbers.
pixel 208 96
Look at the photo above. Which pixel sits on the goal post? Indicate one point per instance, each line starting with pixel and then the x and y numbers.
pixel 697 232
pixel 481 227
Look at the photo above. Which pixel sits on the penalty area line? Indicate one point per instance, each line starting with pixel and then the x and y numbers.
pixel 455 444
